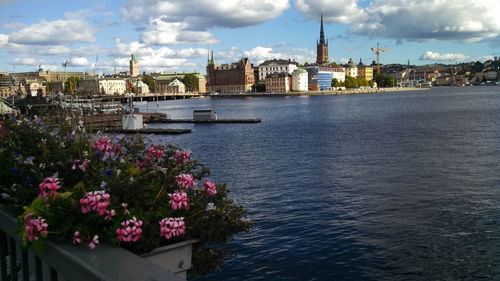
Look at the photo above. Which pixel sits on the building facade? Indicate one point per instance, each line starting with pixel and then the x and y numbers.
pixel 103 86
pixel 320 77
pixel 365 72
pixel 236 77
pixel 134 66
pixel 351 69
pixel 176 87
pixel 322 46
pixel 278 83
pixel 162 81
pixel 300 80
pixel 275 66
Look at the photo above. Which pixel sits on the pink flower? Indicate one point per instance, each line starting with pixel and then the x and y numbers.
pixel 171 227
pixel 82 165
pixel 106 148
pixel 125 208
pixel 178 200
pixel 210 187
pixel 130 231
pixel 76 238
pixel 155 153
pixel 48 187
pixel 35 228
pixel 109 215
pixel 182 156
pixel 93 242
pixel 185 181
pixel 95 201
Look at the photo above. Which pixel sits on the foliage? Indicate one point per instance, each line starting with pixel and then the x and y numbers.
pixel 191 82
pixel 70 186
pixel 71 84
pixel 351 82
pixel 150 81
pixel 384 80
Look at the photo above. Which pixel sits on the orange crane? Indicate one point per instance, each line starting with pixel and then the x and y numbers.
pixel 377 51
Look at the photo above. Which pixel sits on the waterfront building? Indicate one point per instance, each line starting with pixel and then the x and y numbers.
pixel 103 86
pixel 278 83
pixel 322 46
pixel 300 80
pixel 351 69
pixel 364 71
pixel 8 85
pixel 161 82
pixel 236 77
pixel 176 87
pixel 134 66
pixel 34 87
pixel 53 80
pixel 275 66
pixel 141 88
pixel 320 77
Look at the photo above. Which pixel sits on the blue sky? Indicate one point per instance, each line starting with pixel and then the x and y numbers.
pixel 175 35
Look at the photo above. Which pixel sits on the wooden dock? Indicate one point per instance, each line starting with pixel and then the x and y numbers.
pixel 218 121
pixel 158 131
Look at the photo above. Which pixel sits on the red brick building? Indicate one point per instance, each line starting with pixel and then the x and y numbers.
pixel 230 78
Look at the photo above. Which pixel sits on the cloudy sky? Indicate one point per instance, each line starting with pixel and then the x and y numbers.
pixel 175 35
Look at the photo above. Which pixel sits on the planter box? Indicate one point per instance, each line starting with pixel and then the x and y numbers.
pixel 175 258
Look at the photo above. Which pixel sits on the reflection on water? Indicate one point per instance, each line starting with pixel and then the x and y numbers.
pixel 402 186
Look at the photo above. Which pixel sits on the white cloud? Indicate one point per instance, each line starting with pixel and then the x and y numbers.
pixel 65 31
pixel 78 61
pixel 448 57
pixel 182 22
pixel 26 61
pixel 4 39
pixel 341 11
pixel 207 13
pixel 161 32
pixel 416 20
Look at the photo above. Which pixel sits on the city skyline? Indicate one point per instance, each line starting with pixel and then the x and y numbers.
pixel 170 36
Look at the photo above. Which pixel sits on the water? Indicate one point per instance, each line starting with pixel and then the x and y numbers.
pixel 401 186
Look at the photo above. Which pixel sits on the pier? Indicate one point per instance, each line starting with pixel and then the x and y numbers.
pixel 220 121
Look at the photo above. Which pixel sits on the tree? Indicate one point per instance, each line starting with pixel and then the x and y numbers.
pixel 384 80
pixel 191 82
pixel 71 84
pixel 150 81
pixel 351 82
pixel 337 83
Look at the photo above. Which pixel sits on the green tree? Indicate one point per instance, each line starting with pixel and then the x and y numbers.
pixel 351 82
pixel 191 82
pixel 71 84
pixel 362 82
pixel 150 81
pixel 337 83
pixel 384 80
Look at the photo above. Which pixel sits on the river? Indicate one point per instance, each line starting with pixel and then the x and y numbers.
pixel 396 186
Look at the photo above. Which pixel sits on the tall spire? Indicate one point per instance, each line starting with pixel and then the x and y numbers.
pixel 322 32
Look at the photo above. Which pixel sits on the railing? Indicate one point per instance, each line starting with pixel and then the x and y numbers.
pixel 68 262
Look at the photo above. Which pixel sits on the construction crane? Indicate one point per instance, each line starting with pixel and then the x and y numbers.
pixel 377 51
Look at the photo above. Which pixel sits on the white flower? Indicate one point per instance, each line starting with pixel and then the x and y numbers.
pixel 210 206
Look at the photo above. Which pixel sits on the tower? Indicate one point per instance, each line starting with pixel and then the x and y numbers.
pixel 211 78
pixel 134 66
pixel 322 46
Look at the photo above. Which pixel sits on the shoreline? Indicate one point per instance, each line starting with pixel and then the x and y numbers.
pixel 324 93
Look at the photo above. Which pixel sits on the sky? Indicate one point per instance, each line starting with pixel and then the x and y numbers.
pixel 175 35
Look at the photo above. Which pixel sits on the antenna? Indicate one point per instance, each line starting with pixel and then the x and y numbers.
pixel 377 51
pixel 95 64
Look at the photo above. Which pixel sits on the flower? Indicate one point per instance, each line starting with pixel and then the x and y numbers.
pixel 185 181
pixel 48 187
pixel 82 165
pixel 178 200
pixel 106 149
pixel 76 238
pixel 35 228
pixel 109 215
pixel 93 242
pixel 154 153
pixel 172 227
pixel 125 208
pixel 182 156
pixel 130 231
pixel 210 187
pixel 95 201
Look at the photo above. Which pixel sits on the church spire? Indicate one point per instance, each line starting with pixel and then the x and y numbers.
pixel 322 32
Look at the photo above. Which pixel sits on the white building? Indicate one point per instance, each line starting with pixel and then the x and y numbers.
pixel 339 74
pixel 352 69
pixel 176 87
pixel 275 66
pixel 142 88
pixel 103 86
pixel 300 80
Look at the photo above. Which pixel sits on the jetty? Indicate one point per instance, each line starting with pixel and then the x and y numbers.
pixel 158 131
pixel 220 121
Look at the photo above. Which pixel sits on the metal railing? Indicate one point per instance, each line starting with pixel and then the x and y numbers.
pixel 69 262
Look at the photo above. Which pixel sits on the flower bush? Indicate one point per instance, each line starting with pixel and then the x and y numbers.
pixel 67 185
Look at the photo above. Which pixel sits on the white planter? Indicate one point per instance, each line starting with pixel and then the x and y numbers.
pixel 175 258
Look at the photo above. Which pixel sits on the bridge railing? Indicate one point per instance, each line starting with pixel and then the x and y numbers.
pixel 68 262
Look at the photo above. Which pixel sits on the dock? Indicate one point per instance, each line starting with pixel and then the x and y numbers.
pixel 214 121
pixel 157 131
